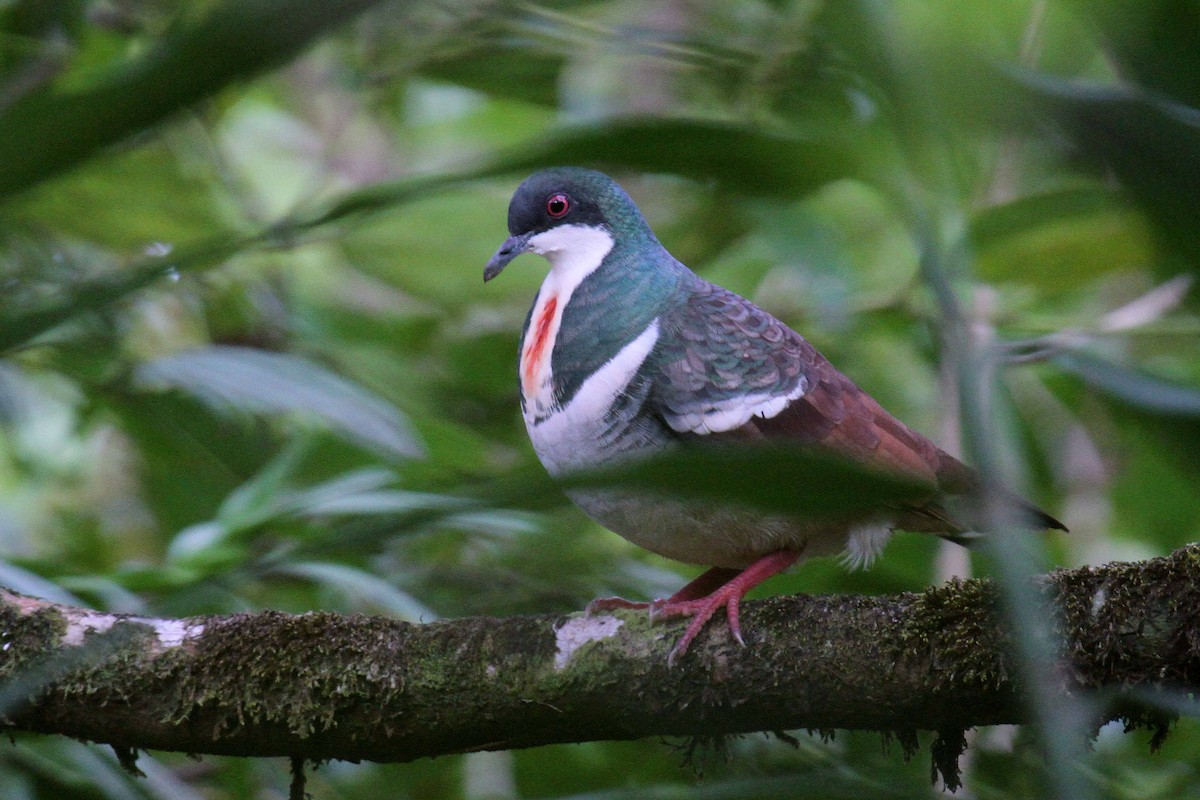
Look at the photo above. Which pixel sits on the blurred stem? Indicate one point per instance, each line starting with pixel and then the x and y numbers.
pixel 1003 184
pixel 942 239
pixel 1016 553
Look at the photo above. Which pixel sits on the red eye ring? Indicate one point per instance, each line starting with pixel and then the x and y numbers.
pixel 557 205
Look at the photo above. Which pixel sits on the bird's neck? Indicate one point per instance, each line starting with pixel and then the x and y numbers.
pixel 600 295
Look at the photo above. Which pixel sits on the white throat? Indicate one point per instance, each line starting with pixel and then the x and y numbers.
pixel 574 252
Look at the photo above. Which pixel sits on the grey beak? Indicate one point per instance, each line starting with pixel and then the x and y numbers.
pixel 513 246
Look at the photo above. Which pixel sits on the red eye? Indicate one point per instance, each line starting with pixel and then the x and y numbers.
pixel 557 205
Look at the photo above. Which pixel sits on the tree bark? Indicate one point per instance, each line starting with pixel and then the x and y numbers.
pixel 322 685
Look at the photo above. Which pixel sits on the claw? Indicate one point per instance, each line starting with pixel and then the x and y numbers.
pixel 731 615
pixel 699 617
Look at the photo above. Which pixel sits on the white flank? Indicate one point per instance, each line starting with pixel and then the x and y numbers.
pixel 566 439
pixel 725 415
pixel 574 252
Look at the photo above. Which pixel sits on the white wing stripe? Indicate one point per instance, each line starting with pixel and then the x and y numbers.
pixel 725 415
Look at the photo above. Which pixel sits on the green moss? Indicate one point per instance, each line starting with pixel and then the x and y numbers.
pixel 35 659
pixel 24 636
pixel 102 664
pixel 1133 624
pixel 944 754
pixel 959 622
pixel 282 669
pixel 954 629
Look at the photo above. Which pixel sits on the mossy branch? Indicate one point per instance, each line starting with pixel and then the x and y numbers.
pixel 321 686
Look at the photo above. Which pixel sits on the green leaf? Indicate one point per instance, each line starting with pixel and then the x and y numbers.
pixel 385 501
pixel 1150 143
pixel 26 582
pixel 195 540
pixel 52 130
pixel 782 480
pixel 190 457
pixel 1132 387
pixel 362 493
pixel 770 478
pixel 112 595
pixel 35 25
pixel 517 73
pixel 745 159
pixel 1167 411
pixel 27 323
pixel 1157 42
pixel 203 549
pixel 262 498
pixel 138 199
pixel 273 383
pixel 1060 239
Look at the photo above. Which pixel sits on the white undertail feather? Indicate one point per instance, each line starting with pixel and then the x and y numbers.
pixel 864 544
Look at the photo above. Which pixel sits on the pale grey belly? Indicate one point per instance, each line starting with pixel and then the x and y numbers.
pixel 708 534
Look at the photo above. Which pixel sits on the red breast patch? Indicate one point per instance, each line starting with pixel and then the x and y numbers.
pixel 536 350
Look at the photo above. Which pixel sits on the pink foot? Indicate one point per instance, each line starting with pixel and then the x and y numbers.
pixel 698 587
pixel 701 609
pixel 700 599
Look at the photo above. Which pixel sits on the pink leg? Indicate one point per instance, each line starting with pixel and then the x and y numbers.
pixel 729 595
pixel 703 584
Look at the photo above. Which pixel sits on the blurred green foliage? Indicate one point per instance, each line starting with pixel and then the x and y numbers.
pixel 248 360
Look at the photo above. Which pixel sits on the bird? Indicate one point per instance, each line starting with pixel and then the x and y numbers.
pixel 626 353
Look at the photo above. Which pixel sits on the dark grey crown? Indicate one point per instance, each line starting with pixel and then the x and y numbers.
pixel 595 199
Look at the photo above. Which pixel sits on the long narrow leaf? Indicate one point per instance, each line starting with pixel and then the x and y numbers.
pixel 362 587
pixel 1138 389
pixel 783 480
pixel 263 382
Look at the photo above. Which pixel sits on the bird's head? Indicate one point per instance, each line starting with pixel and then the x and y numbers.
pixel 567 214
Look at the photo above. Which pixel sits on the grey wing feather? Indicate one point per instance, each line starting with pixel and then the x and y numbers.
pixel 723 360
